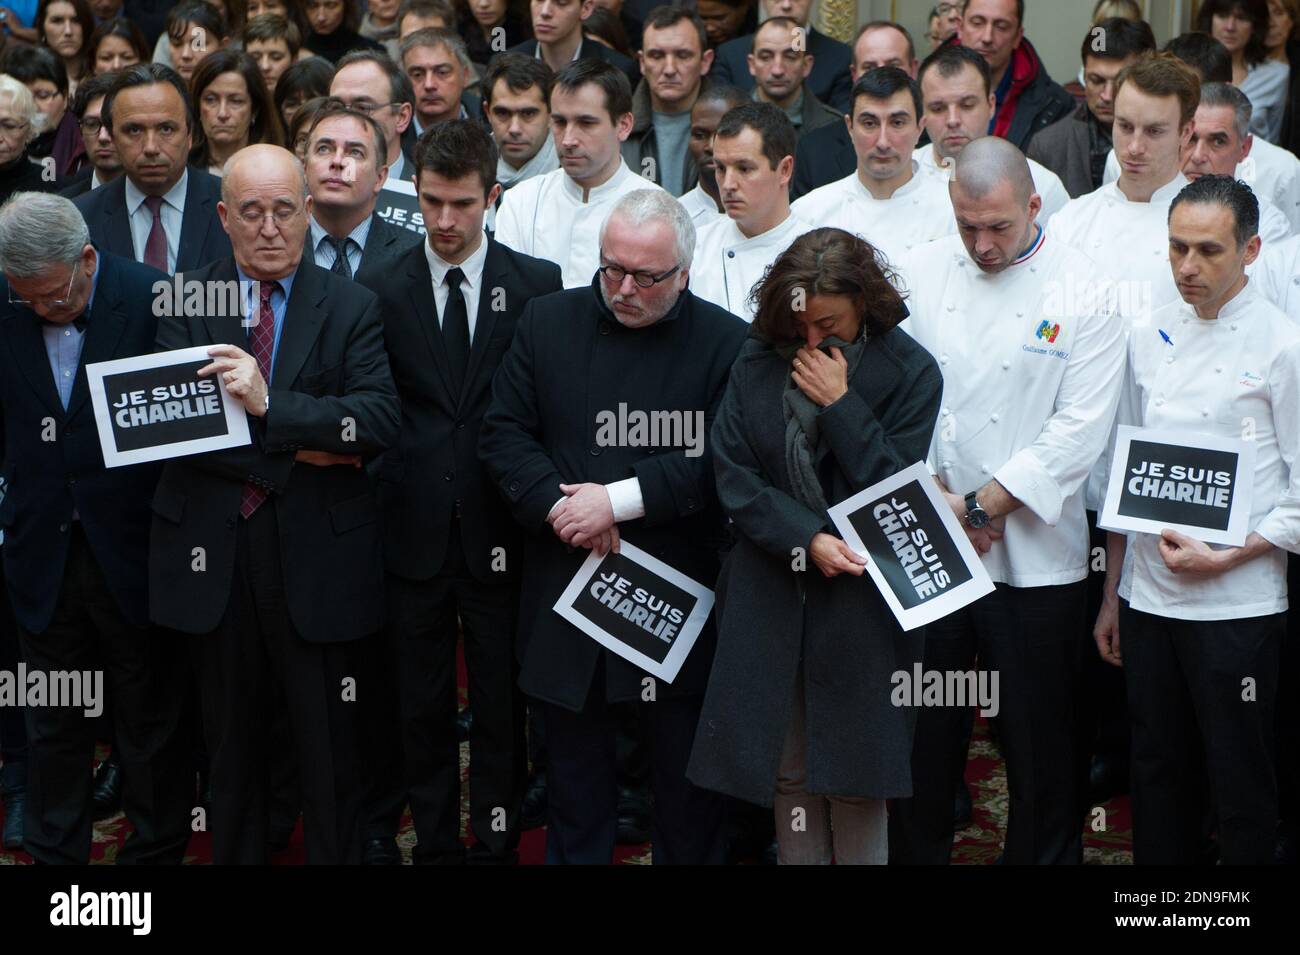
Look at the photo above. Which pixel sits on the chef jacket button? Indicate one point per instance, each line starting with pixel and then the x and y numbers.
pixel 1033 268
pixel 961 263
pixel 1020 314
pixel 1005 364
pixel 1296 280
pixel 1219 369
pixel 1233 326
pixel 1205 412
pixel 946 412
pixel 1169 360
pixel 943 360
pixel 984 469
pixel 1159 401
pixel 731 254
pixel 951 306
pixel 947 465
pixel 993 418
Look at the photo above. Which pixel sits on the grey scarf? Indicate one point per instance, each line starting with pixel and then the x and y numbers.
pixel 801 431
pixel 544 161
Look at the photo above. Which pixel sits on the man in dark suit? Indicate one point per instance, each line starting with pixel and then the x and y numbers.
pixel 76 549
pixel 160 212
pixel 371 82
pixel 438 66
pixel 450 548
pixel 104 166
pixel 829 80
pixel 290 578
pixel 557 26
pixel 636 339
pixel 347 159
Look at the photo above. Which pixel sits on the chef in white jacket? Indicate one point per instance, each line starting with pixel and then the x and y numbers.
pixel 557 216
pixel 958 103
pixel 1031 351
pixel 753 159
pixel 1221 140
pixel 887 200
pixel 1276 274
pixel 1198 628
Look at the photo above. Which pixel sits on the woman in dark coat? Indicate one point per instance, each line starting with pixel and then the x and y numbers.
pixel 824 401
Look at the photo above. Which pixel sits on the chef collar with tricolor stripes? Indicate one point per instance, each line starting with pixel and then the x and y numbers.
pixel 1033 247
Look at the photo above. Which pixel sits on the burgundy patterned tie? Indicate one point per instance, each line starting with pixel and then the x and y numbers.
pixel 261 342
pixel 155 247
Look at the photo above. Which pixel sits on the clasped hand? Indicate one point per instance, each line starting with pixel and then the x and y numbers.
pixel 585 518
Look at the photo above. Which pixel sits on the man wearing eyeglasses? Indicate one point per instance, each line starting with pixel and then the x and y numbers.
pixel 635 341
pixel 291 578
pixel 75 539
pixel 104 166
pixel 372 83
pixel 161 212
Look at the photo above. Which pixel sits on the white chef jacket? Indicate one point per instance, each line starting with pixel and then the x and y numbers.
pixel 1047 184
pixel 1271 171
pixel 1216 374
pixel 919 210
pixel 1129 242
pixel 1276 275
pixel 546 216
pixel 727 264
pixel 1031 378
pixel 699 205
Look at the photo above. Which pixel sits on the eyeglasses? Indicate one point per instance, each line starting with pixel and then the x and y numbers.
pixel 614 274
pixel 282 216
pixel 9 129
pixel 91 125
pixel 47 302
pixel 367 107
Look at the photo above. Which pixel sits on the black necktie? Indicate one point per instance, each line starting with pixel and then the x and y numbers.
pixel 341 264
pixel 455 329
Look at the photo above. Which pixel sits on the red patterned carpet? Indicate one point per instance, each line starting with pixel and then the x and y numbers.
pixel 977 844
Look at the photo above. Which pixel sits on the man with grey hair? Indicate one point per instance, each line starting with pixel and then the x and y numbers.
pixel 292 574
pixel 76 545
pixel 1032 352
pixel 1221 140
pixel 436 63
pixel 597 433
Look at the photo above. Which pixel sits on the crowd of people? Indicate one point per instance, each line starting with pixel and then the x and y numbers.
pixel 464 233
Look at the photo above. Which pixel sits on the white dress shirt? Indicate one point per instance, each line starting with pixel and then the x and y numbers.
pixel 1129 243
pixel 699 205
pixel 1047 184
pixel 1212 377
pixel 1276 275
pixel 1272 172
pixel 1031 377
pixel 471 286
pixel 546 216
pixel 919 211
pixel 172 214
pixel 727 263
pixel 324 253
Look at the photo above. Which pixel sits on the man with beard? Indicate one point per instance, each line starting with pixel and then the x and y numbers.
pixel 623 340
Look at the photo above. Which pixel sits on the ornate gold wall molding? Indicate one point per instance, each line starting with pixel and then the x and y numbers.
pixel 837 18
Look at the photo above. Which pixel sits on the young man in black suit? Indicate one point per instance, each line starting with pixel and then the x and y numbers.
pixel 76 540
pixel 450 548
pixel 291 577
pixel 160 212
pixel 104 166
pixel 347 160
pixel 557 27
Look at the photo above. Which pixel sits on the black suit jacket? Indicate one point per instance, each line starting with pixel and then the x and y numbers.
pixel 202 240
pixel 78 184
pixel 821 157
pixel 434 469
pixel 384 246
pixel 46 480
pixel 331 390
pixel 591 49
pixel 572 360
pixel 829 80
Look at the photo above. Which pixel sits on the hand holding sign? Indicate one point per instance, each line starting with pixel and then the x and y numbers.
pixel 242 377
pixel 586 514
pixel 1183 554
pixel 834 557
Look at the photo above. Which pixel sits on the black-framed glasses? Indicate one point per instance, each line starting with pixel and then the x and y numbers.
pixel 615 274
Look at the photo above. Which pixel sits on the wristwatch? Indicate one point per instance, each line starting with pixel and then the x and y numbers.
pixel 976 516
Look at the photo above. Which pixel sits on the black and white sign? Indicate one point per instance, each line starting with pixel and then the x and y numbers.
pixel 917 552
pixel 1199 484
pixel 156 406
pixel 398 205
pixel 639 607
